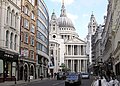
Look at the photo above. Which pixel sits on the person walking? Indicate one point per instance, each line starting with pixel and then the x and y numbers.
pixel 100 81
pixel 114 82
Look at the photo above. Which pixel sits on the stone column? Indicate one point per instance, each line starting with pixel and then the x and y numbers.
pixel 84 49
pixel 67 49
pixel 73 49
pixel 77 49
pixel 84 65
pixel 80 50
pixel 73 66
pixel 67 63
pixel 80 65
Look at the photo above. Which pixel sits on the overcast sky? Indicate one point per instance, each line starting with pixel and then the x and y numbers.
pixel 79 11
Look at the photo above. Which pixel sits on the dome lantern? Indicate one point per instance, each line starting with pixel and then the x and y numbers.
pixel 63 20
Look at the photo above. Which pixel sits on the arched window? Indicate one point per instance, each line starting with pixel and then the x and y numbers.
pixel 15 41
pixel 16 20
pixel 12 18
pixel 11 40
pixel 7 37
pixel 8 15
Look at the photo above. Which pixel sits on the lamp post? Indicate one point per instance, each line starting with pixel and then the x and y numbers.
pixel 15 73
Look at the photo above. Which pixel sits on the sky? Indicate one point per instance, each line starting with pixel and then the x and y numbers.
pixel 79 11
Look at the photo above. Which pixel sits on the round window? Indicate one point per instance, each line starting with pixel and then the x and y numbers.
pixel 54 36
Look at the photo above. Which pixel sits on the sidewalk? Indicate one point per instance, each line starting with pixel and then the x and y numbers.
pixel 20 82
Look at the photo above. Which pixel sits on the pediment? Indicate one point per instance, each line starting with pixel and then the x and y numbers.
pixel 75 41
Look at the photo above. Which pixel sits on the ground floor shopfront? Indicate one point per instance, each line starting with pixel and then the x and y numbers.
pixel 42 66
pixel 26 69
pixel 8 65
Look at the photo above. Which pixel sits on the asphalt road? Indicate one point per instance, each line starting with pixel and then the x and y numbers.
pixel 54 82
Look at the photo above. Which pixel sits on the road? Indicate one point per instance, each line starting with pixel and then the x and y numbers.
pixel 54 82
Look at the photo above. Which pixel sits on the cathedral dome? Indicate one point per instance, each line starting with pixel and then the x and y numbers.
pixel 64 21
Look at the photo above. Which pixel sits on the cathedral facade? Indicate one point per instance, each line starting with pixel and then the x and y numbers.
pixel 65 46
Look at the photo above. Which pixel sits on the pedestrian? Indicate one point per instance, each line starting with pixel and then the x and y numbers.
pixel 114 82
pixel 54 75
pixel 41 76
pixel 100 81
pixel 94 83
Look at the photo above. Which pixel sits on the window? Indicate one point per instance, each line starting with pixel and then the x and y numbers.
pixel 8 15
pixel 32 16
pixel 22 36
pixel 39 46
pixel 26 10
pixel 53 28
pixel 32 29
pixel 26 38
pixel 54 36
pixel 16 19
pixel 31 54
pixel 15 41
pixel 26 23
pixel 11 39
pixel 26 52
pixel 7 35
pixel 32 40
pixel 32 2
pixel 12 18
pixel 51 52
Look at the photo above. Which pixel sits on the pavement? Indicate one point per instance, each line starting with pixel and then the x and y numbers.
pixel 20 82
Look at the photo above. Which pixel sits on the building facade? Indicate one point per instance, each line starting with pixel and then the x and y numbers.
pixel 42 38
pixel 116 37
pixel 65 46
pixel 9 39
pixel 97 50
pixel 27 60
pixel 92 26
pixel 34 39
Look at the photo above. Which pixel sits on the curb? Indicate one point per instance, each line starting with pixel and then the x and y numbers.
pixel 21 83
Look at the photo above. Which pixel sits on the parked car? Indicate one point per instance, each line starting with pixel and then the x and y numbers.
pixel 73 79
pixel 85 75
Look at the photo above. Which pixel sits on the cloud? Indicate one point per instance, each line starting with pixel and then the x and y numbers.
pixel 72 17
pixel 67 2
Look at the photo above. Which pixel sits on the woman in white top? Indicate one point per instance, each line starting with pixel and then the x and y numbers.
pixel 114 82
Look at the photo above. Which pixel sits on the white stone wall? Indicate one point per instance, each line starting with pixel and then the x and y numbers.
pixel 7 26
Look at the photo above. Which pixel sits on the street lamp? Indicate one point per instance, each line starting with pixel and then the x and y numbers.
pixel 15 73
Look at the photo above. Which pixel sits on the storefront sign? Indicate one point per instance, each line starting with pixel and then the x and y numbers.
pixel 1 66
pixel 8 55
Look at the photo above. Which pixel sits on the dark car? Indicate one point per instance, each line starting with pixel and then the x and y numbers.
pixel 85 75
pixel 73 79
